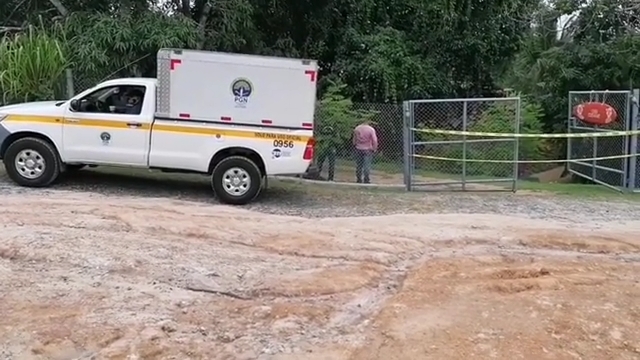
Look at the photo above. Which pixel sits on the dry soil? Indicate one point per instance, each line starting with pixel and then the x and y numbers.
pixel 346 174
pixel 89 276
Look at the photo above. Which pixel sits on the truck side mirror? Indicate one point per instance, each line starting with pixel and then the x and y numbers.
pixel 74 105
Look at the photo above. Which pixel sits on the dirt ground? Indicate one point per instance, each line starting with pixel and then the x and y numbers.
pixel 346 174
pixel 86 276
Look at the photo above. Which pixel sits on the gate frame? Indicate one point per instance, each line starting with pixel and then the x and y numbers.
pixel 629 142
pixel 410 143
pixel 632 161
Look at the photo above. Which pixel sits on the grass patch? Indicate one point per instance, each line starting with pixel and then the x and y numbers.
pixel 389 167
pixel 577 190
pixel 592 191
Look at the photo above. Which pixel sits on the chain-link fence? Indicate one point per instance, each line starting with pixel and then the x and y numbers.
pixel 339 158
pixel 82 81
pixel 608 172
pixel 70 83
pixel 453 159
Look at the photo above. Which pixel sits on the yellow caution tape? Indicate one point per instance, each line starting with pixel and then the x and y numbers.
pixel 521 161
pixel 547 136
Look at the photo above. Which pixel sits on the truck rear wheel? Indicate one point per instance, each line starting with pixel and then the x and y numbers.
pixel 236 180
pixel 32 162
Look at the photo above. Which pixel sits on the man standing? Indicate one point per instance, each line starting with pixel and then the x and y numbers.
pixel 326 145
pixel 365 141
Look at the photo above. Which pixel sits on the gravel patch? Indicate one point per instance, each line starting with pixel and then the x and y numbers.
pixel 321 201
pixel 119 255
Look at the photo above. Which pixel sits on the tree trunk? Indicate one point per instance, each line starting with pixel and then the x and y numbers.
pixel 61 9
pixel 186 8
pixel 202 24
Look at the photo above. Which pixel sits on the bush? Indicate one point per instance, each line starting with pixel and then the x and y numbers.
pixel 500 119
pixel 32 65
pixel 335 120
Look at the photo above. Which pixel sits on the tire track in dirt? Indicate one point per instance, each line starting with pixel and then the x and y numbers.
pixel 419 286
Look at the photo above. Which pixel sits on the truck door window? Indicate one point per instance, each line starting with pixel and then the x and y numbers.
pixel 123 99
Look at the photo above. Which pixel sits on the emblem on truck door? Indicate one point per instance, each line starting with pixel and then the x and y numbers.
pixel 105 137
pixel 241 89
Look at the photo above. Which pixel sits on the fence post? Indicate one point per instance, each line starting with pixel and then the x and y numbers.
pixel 464 145
pixel 69 80
pixel 407 142
pixel 570 126
pixel 633 142
pixel 516 145
pixel 594 155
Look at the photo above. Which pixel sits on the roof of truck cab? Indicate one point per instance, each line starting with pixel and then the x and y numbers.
pixel 131 81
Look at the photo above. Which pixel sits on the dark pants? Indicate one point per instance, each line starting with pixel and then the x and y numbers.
pixel 328 155
pixel 363 165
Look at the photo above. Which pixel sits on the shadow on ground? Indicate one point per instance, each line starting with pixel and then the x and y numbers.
pixel 143 183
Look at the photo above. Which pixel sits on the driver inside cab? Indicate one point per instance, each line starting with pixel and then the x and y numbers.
pixel 117 100
pixel 133 99
pixel 126 102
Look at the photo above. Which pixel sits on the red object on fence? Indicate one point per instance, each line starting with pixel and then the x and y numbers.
pixel 595 113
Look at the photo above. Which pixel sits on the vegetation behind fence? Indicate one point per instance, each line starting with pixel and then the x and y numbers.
pixel 370 63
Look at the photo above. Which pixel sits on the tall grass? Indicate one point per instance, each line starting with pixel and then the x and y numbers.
pixel 32 65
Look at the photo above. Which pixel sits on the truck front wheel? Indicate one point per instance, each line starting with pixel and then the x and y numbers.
pixel 236 180
pixel 32 162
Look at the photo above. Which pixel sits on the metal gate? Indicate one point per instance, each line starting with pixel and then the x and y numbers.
pixel 453 161
pixel 618 173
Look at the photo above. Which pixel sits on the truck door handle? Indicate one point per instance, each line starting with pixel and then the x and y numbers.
pixel 72 120
pixel 134 124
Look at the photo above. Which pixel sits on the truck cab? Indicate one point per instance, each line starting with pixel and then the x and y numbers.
pixel 204 116
pixel 119 113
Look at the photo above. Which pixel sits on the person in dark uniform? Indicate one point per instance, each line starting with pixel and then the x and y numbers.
pixel 327 148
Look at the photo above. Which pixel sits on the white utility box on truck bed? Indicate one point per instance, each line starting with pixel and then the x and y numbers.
pixel 237 118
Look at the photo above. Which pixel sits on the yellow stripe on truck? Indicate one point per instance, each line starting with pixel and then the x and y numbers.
pixel 177 128
pixel 33 119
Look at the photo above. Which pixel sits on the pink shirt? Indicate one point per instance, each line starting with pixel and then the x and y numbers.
pixel 365 138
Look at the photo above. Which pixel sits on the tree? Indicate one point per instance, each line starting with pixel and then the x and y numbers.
pixel 597 49
pixel 123 45
pixel 384 51
pixel 336 119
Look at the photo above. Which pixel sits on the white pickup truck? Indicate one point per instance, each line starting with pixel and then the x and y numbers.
pixel 236 118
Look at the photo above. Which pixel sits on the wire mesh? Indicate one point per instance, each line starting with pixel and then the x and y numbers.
pixel 338 159
pixel 82 82
pixel 64 87
pixel 499 115
pixel 610 172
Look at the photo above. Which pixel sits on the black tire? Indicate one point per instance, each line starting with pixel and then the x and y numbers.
pixel 45 150
pixel 249 168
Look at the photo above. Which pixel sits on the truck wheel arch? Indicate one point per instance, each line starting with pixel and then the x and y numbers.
pixel 23 134
pixel 238 151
